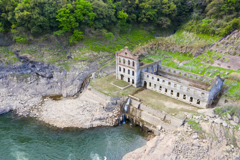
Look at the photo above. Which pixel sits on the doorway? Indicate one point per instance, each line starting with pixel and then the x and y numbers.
pixel 122 77
pixel 145 84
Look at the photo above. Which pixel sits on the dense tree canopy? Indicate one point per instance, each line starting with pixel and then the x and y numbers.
pixel 45 16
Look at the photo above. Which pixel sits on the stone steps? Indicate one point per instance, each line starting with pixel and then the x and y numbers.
pixel 89 96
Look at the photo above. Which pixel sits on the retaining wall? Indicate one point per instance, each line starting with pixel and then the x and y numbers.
pixel 153 117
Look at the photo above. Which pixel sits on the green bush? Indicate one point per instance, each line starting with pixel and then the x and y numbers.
pixel 75 37
pixel 234 24
pixel 195 125
pixel 232 110
pixel 109 35
pixel 20 39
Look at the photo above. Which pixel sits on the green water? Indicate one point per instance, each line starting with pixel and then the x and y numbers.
pixel 25 138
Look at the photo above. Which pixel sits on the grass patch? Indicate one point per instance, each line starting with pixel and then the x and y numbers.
pixel 120 83
pixel 164 103
pixel 232 110
pixel 104 85
pixel 233 91
pixel 195 125
pixel 135 37
pixel 167 56
pixel 188 38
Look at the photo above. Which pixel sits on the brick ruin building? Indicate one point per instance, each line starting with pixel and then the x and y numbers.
pixel 188 87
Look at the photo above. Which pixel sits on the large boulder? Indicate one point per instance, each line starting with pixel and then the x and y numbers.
pixel 177 122
pixel 229 116
pixel 218 121
pixel 236 119
pixel 210 113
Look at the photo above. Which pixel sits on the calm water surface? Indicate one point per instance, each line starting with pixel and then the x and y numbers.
pixel 25 138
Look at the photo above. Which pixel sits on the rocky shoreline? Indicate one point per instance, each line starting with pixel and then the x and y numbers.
pixel 213 140
pixel 23 86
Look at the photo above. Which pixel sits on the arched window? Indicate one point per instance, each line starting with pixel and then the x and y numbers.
pixel 133 63
pixel 184 96
pixel 198 101
pixel 119 60
pixel 160 88
pixel 129 62
pixel 191 99
pixel 123 61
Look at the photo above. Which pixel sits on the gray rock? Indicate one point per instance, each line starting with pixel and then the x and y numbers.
pixel 218 121
pixel 233 123
pixel 159 128
pixel 236 119
pixel 224 123
pixel 177 122
pixel 229 116
pixel 4 110
pixel 210 113
pixel 189 116
pixel 195 136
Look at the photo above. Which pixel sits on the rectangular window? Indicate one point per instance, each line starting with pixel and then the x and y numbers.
pixel 123 70
pixel 133 73
pixel 128 71
pixel 178 94
pixel 120 69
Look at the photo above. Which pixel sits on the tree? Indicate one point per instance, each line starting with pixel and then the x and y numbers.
pixel 70 17
pixel 38 16
pixel 7 17
pixel 169 8
pixel 105 15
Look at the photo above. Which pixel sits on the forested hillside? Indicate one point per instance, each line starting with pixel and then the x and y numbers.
pixel 77 19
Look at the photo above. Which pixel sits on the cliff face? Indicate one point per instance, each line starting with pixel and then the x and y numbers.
pixel 23 85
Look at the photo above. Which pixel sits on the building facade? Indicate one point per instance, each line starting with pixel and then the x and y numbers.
pixel 190 88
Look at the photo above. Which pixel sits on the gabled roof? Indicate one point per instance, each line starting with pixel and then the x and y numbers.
pixel 126 53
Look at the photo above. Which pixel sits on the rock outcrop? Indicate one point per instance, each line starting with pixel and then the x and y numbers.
pixel 23 85
pixel 214 138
